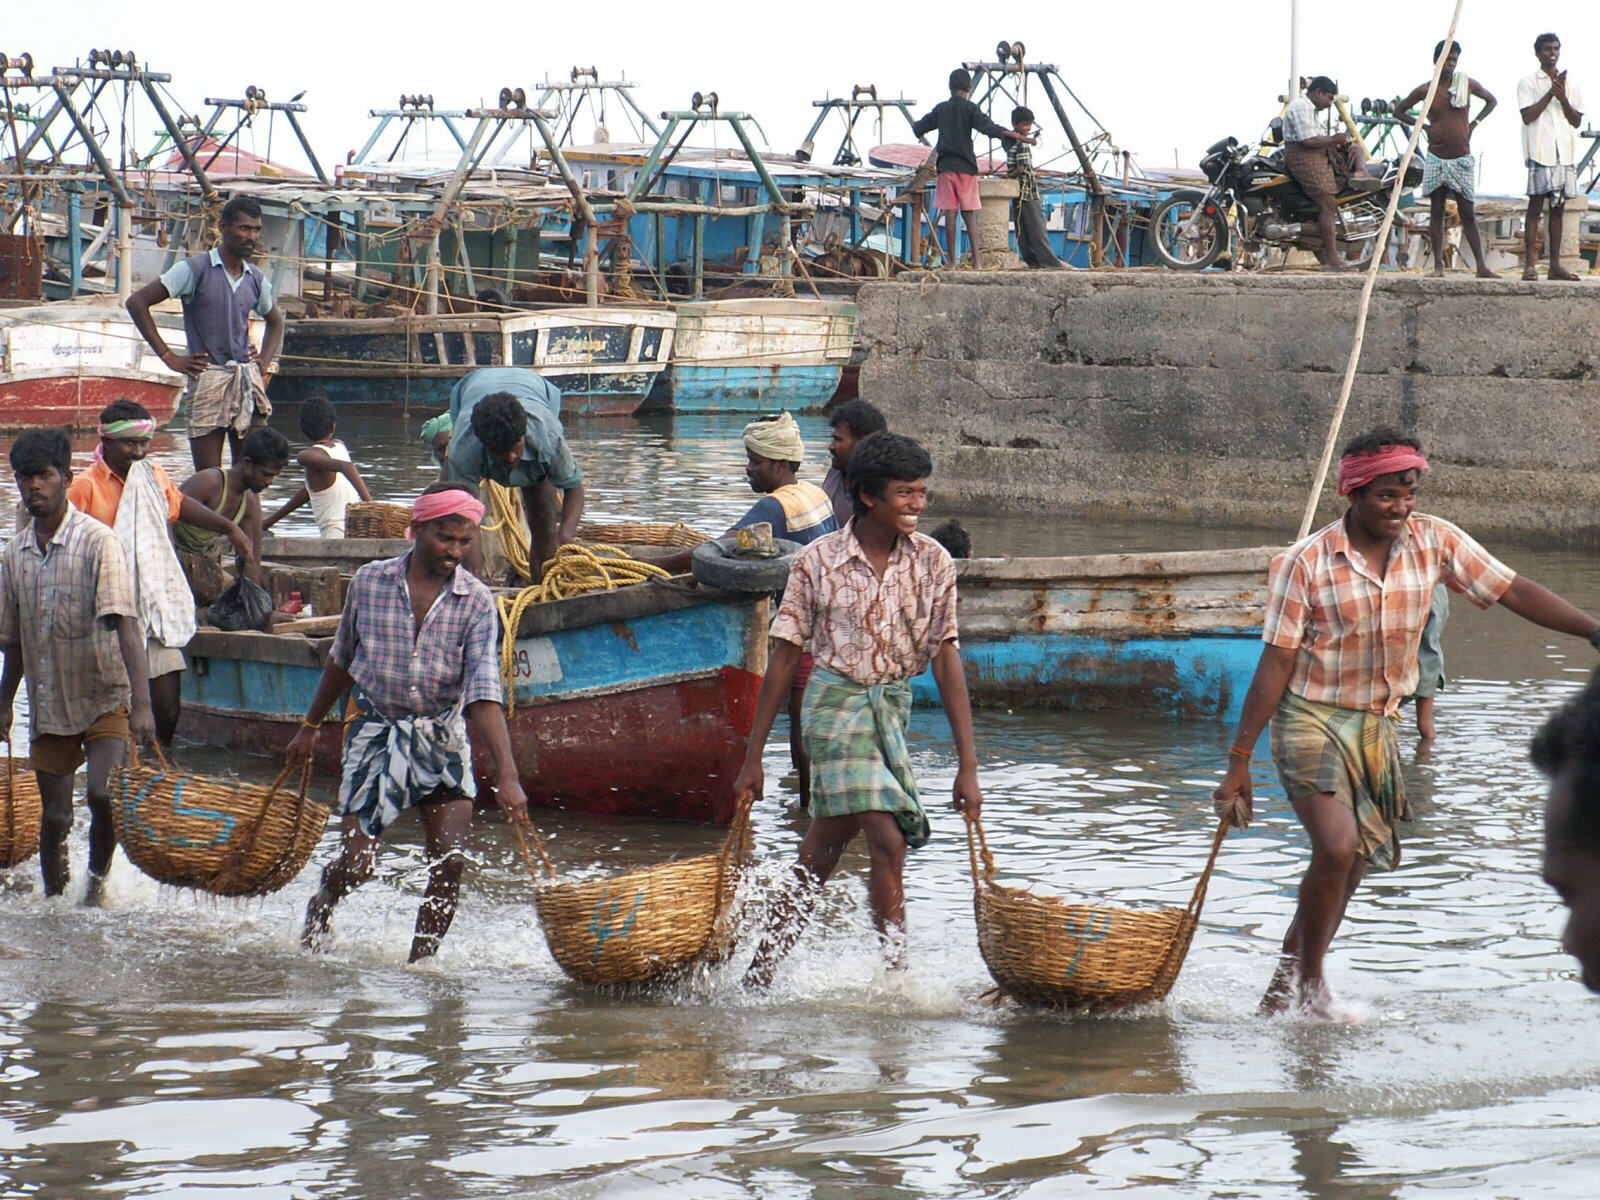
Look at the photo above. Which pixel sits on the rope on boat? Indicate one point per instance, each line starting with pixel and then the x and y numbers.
pixel 506 510
pixel 1369 282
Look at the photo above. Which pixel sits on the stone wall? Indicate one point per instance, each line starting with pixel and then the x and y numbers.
pixel 1207 397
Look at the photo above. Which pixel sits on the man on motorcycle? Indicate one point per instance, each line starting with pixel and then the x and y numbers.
pixel 1450 169
pixel 1323 162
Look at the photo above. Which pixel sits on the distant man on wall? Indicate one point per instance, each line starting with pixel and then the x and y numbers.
pixel 227 394
pixel 1345 612
pixel 1567 749
pixel 851 422
pixel 1033 236
pixel 1552 112
pixel 1449 169
pixel 505 425
pixel 956 186
pixel 1322 162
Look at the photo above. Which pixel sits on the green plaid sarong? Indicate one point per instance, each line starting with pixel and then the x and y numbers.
pixel 1351 753
pixel 856 738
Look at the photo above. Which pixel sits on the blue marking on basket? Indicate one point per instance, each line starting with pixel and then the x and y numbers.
pixel 1086 934
pixel 130 809
pixel 602 925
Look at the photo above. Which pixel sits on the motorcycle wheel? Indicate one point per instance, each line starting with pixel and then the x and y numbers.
pixel 1183 237
pixel 1357 255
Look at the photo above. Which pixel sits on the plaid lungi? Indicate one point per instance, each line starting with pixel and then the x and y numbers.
pixel 1560 182
pixel 1322 172
pixel 391 765
pixel 228 397
pixel 1458 175
pixel 856 738
pixel 1352 753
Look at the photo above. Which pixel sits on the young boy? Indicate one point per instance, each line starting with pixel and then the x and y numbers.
pixel 1033 243
pixel 953 536
pixel 332 482
pixel 876 602
pixel 957 183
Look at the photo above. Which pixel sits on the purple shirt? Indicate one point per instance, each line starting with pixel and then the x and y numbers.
pixel 453 659
pixel 216 306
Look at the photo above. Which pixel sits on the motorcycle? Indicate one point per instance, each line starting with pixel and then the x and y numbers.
pixel 1254 206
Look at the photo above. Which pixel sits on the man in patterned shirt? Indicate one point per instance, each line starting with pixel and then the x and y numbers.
pixel 416 643
pixel 877 603
pixel 1033 243
pixel 1345 612
pixel 1322 161
pixel 70 622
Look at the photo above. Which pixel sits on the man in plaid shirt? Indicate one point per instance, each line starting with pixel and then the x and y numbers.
pixel 1345 612
pixel 1033 243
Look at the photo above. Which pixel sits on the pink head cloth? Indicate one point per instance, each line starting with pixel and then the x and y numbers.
pixel 453 502
pixel 1358 470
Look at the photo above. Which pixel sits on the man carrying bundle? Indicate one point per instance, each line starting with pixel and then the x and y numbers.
pixel 505 425
pixel 876 601
pixel 137 499
pixel 416 643
pixel 1345 612
pixel 69 621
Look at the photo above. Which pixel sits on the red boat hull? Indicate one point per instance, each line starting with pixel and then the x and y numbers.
pixel 76 400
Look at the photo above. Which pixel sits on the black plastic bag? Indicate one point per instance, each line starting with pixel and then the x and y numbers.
pixel 245 605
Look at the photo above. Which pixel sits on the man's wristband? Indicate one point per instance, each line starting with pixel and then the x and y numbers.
pixel 1238 751
pixel 312 724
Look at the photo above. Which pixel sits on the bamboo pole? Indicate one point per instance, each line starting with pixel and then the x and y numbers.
pixel 1368 284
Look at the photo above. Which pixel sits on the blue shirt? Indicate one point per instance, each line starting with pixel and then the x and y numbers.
pixel 545 453
pixel 799 512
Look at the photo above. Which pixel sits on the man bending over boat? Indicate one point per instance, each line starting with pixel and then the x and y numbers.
pixel 416 649
pixel 1345 612
pixel 1567 749
pixel 876 601
pixel 506 428
pixel 137 499
pixel 235 493
pixel 220 288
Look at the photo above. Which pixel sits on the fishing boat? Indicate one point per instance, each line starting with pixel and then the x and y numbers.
pixel 631 703
pixel 605 360
pixel 61 363
pixel 1176 633
pixel 761 354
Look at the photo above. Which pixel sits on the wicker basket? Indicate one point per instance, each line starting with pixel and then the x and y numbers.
pixel 646 925
pixel 1043 951
pixel 678 536
pixel 221 836
pixel 21 813
pixel 376 519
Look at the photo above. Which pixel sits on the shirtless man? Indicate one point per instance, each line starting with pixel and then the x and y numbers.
pixel 1449 169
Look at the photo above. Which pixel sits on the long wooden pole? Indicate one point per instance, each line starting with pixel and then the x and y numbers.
pixel 1368 284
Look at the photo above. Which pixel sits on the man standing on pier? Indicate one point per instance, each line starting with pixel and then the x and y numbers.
pixel 227 394
pixel 505 427
pixel 1345 612
pixel 1322 161
pixel 416 642
pixel 1552 112
pixel 1449 169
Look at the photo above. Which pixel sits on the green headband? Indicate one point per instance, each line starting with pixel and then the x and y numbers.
pixel 129 427
pixel 434 426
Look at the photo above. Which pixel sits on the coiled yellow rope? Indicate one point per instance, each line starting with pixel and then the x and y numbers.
pixel 506 509
pixel 574 571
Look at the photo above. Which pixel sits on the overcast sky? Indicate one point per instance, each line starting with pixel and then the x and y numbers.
pixel 1164 90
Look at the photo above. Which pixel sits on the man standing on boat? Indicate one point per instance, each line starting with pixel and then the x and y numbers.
pixel 417 644
pixel 506 428
pixel 137 499
pixel 1345 612
pixel 876 602
pixel 956 183
pixel 227 395
pixel 69 621
pixel 850 422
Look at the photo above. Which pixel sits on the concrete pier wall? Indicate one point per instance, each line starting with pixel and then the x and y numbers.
pixel 1207 397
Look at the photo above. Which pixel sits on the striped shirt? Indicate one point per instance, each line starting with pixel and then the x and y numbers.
pixel 1019 166
pixel 800 512
pixel 409 672
pixel 1357 634
pixel 60 604
pixel 1303 120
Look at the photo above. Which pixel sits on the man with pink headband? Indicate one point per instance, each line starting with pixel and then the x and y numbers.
pixel 416 648
pixel 1345 612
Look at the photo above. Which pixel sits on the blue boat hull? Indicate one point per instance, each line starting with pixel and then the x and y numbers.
pixel 687 388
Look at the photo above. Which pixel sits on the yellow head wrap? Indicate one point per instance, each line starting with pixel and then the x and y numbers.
pixel 776 438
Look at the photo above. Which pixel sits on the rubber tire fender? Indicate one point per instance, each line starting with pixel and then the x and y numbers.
pixel 715 566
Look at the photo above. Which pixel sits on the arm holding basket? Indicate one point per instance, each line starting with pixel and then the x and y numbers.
pixel 967 798
pixel 1234 800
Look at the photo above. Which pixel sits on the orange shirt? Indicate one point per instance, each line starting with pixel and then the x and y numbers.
pixel 98 492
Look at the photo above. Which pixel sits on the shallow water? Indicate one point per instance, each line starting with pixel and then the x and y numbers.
pixel 169 1046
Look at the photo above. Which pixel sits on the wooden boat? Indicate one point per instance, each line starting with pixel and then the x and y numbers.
pixel 1176 633
pixel 605 360
pixel 757 355
pixel 632 703
pixel 61 363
